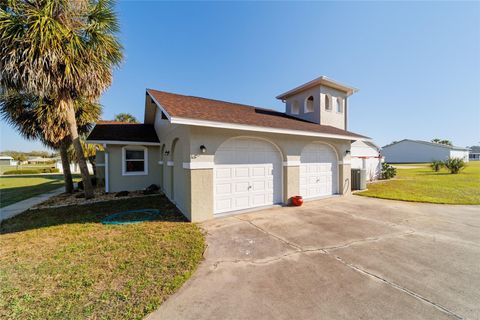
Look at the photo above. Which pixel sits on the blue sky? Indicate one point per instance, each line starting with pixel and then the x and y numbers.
pixel 417 64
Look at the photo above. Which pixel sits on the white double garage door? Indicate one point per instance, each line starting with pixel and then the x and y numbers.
pixel 248 174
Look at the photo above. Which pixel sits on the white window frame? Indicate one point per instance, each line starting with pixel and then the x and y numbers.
pixel 305 105
pixel 339 104
pixel 124 161
pixel 328 102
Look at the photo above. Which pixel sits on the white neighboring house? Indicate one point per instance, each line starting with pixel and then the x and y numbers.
pixel 7 161
pixel 74 167
pixel 417 151
pixel 366 155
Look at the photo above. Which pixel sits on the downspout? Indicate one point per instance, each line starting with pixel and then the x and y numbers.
pixel 107 187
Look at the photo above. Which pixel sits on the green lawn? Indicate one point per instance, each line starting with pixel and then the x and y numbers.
pixel 17 188
pixel 63 264
pixel 424 185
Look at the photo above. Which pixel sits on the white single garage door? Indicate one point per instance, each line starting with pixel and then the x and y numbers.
pixel 318 171
pixel 247 174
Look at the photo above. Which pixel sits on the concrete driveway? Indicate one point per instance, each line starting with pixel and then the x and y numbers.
pixel 339 258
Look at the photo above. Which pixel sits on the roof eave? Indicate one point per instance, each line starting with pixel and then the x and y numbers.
pixel 122 142
pixel 319 81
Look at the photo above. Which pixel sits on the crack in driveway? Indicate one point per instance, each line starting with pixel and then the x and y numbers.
pixel 326 250
pixel 399 287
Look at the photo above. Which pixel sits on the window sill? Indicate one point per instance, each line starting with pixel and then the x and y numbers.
pixel 134 173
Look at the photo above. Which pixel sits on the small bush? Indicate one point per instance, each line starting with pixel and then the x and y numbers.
pixel 455 165
pixel 33 171
pixel 436 165
pixel 388 171
pixel 27 171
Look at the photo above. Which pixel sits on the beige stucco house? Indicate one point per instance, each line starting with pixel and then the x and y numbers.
pixel 213 158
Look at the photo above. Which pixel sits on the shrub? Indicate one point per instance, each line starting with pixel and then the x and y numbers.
pixel 33 171
pixel 388 171
pixel 436 165
pixel 27 171
pixel 455 165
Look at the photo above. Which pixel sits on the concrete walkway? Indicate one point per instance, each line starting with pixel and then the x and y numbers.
pixel 21 206
pixel 339 258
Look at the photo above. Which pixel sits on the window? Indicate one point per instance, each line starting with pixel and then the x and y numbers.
pixel 134 161
pixel 295 107
pixel 339 105
pixel 309 104
pixel 328 107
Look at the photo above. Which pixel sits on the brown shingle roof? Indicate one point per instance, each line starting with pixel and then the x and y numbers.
pixel 120 131
pixel 190 107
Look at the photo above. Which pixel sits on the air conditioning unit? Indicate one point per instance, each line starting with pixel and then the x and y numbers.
pixel 359 179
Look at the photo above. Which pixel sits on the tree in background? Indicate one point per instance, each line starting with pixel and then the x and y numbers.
pixel 442 141
pixel 125 117
pixel 60 49
pixel 36 119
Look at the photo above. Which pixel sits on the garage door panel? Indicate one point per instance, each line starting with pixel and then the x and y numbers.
pixel 242 201
pixel 223 188
pixel 253 170
pixel 241 172
pixel 224 204
pixel 224 173
pixel 241 187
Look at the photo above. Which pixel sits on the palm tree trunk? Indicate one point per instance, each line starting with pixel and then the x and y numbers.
pixel 67 174
pixel 66 104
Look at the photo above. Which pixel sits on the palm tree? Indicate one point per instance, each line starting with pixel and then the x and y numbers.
pixel 125 117
pixel 60 49
pixel 37 119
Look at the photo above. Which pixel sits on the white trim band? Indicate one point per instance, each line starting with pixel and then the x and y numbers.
pixel 160 162
pixel 198 165
pixel 170 163
pixel 100 165
pixel 104 142
pixel 291 163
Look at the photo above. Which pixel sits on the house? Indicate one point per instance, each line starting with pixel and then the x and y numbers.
pixel 40 160
pixel 474 153
pixel 366 155
pixel 74 167
pixel 213 157
pixel 7 161
pixel 417 151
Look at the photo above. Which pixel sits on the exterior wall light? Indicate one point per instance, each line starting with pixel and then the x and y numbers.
pixel 167 153
pixel 203 149
pixel 347 152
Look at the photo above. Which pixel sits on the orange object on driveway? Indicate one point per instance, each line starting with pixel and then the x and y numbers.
pixel 297 201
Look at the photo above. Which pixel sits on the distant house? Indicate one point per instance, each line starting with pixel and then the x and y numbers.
pixel 74 167
pixel 417 151
pixel 7 161
pixel 366 155
pixel 474 153
pixel 40 160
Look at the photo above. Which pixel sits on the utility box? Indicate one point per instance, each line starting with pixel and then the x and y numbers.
pixel 359 179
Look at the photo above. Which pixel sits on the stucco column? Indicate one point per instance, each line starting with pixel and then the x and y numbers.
pixel 345 177
pixel 201 194
pixel 291 183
